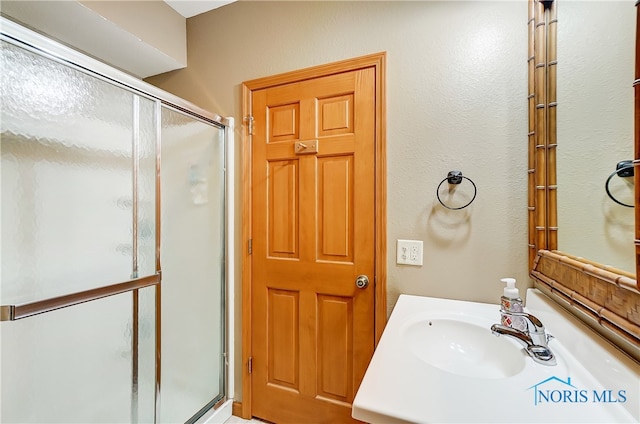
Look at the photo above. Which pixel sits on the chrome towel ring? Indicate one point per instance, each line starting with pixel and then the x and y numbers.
pixel 624 169
pixel 456 177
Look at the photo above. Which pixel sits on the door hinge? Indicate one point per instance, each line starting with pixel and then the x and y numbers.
pixel 250 246
pixel 250 365
pixel 249 120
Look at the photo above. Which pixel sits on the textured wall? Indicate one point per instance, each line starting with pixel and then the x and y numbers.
pixel 154 22
pixel 595 129
pixel 140 37
pixel 456 99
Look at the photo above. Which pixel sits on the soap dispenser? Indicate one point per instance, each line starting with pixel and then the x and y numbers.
pixel 510 301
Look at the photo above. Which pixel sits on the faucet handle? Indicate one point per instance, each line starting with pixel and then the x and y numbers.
pixel 532 319
pixel 535 321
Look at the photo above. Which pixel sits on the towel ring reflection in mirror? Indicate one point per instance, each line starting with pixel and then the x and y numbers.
pixel 454 178
pixel 624 169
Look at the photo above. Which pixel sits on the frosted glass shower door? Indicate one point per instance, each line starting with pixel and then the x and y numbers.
pixel 77 173
pixel 192 257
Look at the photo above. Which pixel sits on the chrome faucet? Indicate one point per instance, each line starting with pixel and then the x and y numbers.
pixel 535 339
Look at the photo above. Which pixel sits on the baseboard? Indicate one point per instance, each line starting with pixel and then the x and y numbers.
pixel 236 409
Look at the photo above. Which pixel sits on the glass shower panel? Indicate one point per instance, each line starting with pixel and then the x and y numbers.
pixel 66 151
pixel 78 211
pixel 147 130
pixel 62 367
pixel 146 365
pixel 192 255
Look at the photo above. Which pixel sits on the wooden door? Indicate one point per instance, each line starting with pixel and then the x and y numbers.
pixel 313 210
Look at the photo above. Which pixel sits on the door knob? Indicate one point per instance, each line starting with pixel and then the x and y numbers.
pixel 362 281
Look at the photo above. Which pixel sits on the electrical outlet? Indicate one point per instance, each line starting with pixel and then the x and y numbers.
pixel 409 252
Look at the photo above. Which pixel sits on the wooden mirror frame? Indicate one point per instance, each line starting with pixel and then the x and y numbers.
pixel 605 298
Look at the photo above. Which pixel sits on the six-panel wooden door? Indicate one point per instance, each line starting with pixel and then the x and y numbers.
pixel 313 217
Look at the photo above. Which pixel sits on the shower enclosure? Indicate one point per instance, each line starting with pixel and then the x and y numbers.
pixel 114 221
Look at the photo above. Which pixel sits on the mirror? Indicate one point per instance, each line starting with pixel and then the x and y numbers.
pixel 590 269
pixel 595 73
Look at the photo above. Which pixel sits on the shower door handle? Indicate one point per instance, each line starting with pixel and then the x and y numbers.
pixel 25 310
pixel 362 281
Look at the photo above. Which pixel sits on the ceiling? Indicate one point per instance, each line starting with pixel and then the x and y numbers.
pixel 189 8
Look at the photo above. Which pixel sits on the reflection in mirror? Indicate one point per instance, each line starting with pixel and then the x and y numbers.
pixel 595 130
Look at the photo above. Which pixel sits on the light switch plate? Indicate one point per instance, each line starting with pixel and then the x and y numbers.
pixel 409 252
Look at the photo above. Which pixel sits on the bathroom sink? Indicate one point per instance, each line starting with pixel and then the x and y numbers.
pixel 438 362
pixel 463 348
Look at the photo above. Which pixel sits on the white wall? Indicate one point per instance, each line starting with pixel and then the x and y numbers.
pixel 153 22
pixel 456 99
pixel 139 37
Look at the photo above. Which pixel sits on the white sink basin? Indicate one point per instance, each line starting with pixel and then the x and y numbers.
pixel 463 348
pixel 438 362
